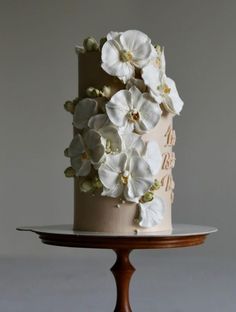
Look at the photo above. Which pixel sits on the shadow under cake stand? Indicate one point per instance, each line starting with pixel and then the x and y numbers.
pixel 182 235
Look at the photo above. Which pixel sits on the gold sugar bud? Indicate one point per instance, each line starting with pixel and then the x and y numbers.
pixel 158 48
pixel 86 186
pixel 106 92
pixel 92 92
pixel 148 197
pixel 90 44
pixel 70 106
pixel 156 185
pixel 97 184
pixel 69 172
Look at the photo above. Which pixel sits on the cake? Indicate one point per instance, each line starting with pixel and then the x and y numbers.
pixel 121 152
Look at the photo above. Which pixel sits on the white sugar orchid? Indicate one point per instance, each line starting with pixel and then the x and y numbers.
pixel 149 151
pixel 162 88
pixel 123 52
pixel 84 151
pixel 84 110
pixel 122 174
pixel 132 110
pixel 151 213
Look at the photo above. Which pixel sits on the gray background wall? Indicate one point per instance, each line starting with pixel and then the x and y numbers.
pixel 38 72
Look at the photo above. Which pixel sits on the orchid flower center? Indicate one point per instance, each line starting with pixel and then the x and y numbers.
pixel 158 62
pixel 166 89
pixel 125 56
pixel 84 156
pixel 108 147
pixel 124 177
pixel 133 116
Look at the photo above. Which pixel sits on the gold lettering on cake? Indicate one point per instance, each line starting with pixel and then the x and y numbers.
pixel 168 160
pixel 168 182
pixel 170 137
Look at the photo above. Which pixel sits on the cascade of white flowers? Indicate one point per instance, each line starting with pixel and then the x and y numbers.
pixel 108 152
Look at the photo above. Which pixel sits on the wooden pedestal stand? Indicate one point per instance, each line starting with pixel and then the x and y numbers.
pixel 182 235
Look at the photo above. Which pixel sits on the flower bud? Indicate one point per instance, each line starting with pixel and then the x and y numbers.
pixel 106 92
pixel 92 92
pixel 148 197
pixel 97 183
pixel 156 185
pixel 66 152
pixel 158 48
pixel 69 106
pixel 86 186
pixel 90 44
pixel 102 41
pixel 69 172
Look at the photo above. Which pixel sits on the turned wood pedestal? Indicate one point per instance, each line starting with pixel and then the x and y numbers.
pixel 182 235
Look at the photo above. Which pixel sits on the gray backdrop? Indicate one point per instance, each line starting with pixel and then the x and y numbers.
pixel 38 72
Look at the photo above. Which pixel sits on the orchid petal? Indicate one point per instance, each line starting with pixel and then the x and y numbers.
pixel 128 198
pixel 110 52
pixel 113 35
pixel 110 170
pixel 141 177
pixel 98 121
pixel 175 102
pixel 151 213
pixel 132 141
pixel 94 145
pixel 163 62
pixel 83 111
pixel 115 192
pixel 111 134
pixel 153 156
pixel 133 40
pixel 108 177
pixel 118 107
pixel 150 114
pixel 139 83
pixel 82 167
pixel 136 97
pixel 151 76
pixel 76 146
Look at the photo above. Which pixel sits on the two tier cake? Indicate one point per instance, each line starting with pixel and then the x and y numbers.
pixel 121 152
